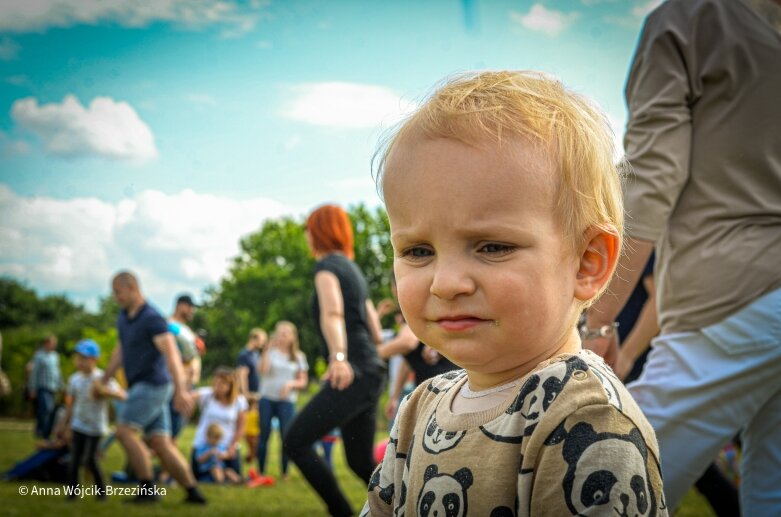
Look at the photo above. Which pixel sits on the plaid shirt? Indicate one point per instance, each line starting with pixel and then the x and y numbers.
pixel 46 371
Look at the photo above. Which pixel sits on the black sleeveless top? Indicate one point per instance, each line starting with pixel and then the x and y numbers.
pixel 423 370
pixel 361 350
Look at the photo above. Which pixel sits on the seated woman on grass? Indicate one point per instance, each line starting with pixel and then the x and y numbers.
pixel 221 404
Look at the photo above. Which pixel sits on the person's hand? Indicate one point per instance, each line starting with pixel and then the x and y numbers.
pixel 607 347
pixel 33 395
pixel 183 402
pixel 283 393
pixel 67 435
pixel 385 307
pixel 623 365
pixel 391 408
pixel 339 374
pixel 230 453
pixel 430 356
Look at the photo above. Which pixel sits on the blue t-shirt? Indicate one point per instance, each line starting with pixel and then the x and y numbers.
pixel 207 465
pixel 249 358
pixel 141 359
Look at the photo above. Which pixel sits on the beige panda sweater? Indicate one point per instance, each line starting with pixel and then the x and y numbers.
pixel 568 441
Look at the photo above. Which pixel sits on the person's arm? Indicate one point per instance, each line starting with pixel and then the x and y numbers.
pixel 264 363
pixel 113 363
pixel 398 385
pixel 405 341
pixel 373 320
pixel 166 344
pixel 606 309
pixel 204 456
pixel 332 325
pixel 299 383
pixel 116 391
pixel 243 372
pixel 241 423
pixel 660 90
pixel 385 307
pixel 194 370
pixel 639 339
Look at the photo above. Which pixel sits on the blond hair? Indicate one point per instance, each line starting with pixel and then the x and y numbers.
pixel 295 347
pixel 476 107
pixel 257 331
pixel 214 432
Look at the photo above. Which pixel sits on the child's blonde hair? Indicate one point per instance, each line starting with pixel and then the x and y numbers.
pixel 214 432
pixel 295 347
pixel 489 105
pixel 257 332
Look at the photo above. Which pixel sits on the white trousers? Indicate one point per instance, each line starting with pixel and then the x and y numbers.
pixel 699 389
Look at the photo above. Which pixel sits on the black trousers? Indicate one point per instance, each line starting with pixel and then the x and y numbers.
pixel 354 411
pixel 84 450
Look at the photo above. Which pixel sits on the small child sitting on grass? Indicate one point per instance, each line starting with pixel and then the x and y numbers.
pixel 506 217
pixel 209 458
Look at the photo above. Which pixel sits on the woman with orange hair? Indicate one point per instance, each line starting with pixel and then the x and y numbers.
pixel 350 330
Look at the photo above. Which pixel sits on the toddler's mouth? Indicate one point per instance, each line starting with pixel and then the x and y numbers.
pixel 460 323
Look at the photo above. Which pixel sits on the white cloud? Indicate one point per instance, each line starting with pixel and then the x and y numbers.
pixel 634 18
pixel 106 128
pixel 175 242
pixel 346 105
pixel 9 49
pixel 544 20
pixel 644 8
pixel 236 16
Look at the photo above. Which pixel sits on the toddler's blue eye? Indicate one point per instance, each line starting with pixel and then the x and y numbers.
pixel 496 248
pixel 418 252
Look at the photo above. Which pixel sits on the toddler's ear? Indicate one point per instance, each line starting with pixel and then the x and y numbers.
pixel 598 258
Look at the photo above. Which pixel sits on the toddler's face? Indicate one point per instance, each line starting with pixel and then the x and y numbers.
pixel 484 273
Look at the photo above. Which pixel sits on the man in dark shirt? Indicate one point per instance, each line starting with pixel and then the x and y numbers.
pixel 247 363
pixel 149 355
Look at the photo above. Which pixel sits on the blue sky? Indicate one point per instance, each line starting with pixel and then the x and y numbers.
pixel 152 135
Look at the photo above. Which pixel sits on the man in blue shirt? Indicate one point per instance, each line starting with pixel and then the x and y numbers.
pixel 148 353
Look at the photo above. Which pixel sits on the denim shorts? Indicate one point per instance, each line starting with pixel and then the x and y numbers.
pixel 146 408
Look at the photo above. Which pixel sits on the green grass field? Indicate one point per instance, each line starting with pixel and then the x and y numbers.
pixel 289 498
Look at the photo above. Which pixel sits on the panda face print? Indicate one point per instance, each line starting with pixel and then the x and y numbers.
pixel 536 396
pixel 607 473
pixel 436 440
pixel 444 495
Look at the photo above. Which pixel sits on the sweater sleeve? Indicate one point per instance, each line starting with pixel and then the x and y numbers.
pixel 658 136
pixel 387 488
pixel 595 462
